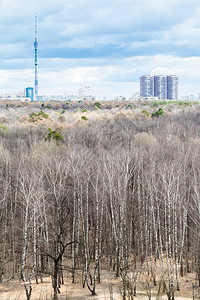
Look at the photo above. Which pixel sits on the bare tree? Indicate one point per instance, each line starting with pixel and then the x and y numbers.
pixel 28 202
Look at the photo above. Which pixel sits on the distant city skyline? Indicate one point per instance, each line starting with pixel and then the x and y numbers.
pixel 106 45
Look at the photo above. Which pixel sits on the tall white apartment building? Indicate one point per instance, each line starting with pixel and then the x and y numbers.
pixel 146 86
pixel 172 87
pixel 160 86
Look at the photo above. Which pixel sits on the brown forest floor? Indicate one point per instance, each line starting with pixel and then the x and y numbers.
pixel 14 290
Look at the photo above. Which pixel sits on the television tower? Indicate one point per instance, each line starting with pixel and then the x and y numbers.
pixel 36 59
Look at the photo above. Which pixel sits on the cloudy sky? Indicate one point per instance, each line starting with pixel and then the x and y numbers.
pixel 104 44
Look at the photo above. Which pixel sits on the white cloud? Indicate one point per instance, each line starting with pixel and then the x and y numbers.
pixel 105 77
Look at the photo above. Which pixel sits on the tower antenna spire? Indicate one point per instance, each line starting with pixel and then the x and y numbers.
pixel 36 59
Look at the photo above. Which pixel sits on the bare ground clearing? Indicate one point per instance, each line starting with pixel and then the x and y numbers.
pixel 107 290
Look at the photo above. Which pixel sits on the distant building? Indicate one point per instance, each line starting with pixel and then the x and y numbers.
pixel 42 98
pixel 21 94
pixel 146 86
pixel 160 86
pixel 85 92
pixel 150 98
pixel 172 87
pixel 30 93
pixel 120 98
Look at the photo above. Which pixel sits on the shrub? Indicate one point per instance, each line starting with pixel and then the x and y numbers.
pixel 43 114
pixel 84 118
pixel 158 103
pixel 84 109
pixel 97 104
pixel 4 127
pixel 146 113
pixel 54 135
pixel 33 114
pixel 158 113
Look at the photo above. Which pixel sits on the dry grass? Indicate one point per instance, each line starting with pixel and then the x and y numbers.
pixel 108 289
pixel 14 290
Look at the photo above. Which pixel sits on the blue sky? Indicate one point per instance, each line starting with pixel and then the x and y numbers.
pixel 104 44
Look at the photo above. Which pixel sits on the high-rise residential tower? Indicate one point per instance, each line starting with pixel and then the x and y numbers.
pixel 160 86
pixel 146 86
pixel 172 87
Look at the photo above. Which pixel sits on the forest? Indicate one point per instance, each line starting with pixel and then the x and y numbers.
pixel 92 187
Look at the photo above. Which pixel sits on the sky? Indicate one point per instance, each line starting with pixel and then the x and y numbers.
pixel 104 44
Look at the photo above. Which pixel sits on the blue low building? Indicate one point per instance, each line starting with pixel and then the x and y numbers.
pixel 30 93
